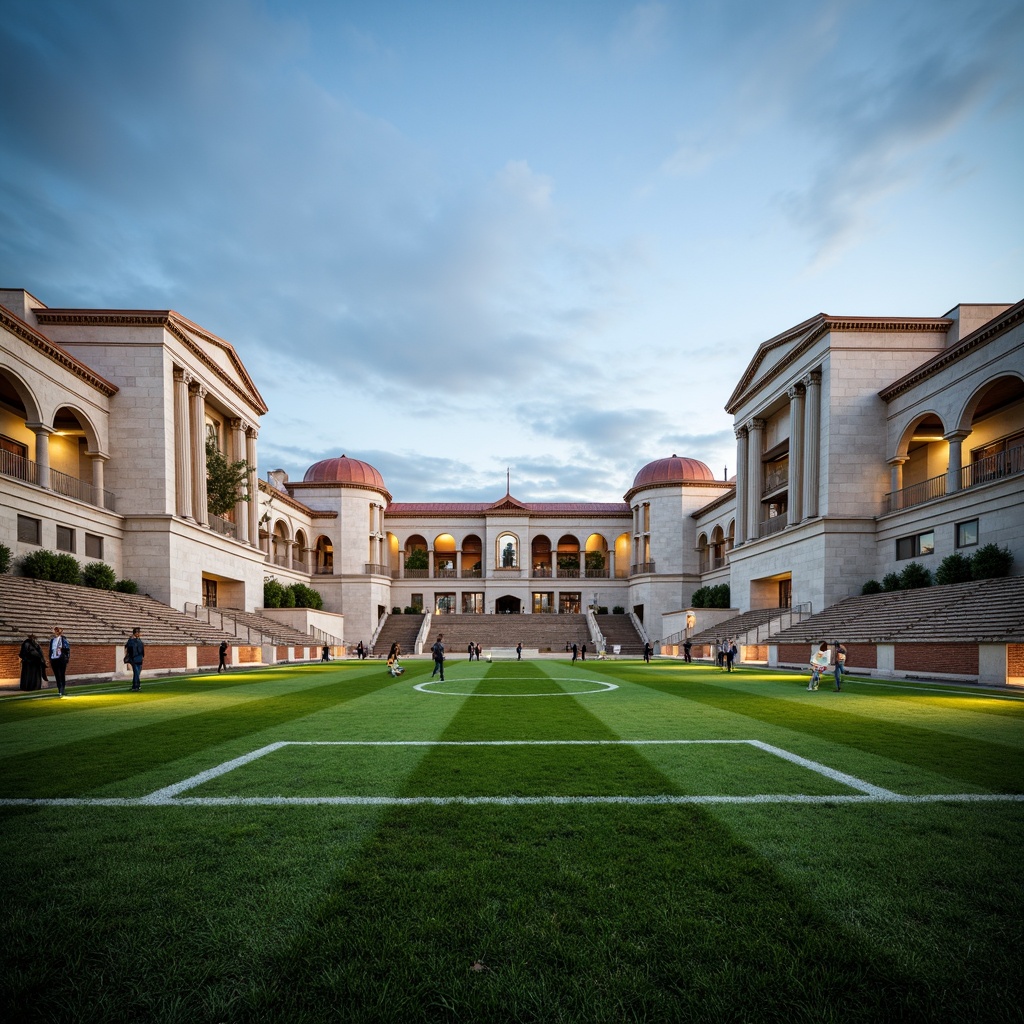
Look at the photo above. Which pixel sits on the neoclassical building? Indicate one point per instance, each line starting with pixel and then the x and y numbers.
pixel 862 443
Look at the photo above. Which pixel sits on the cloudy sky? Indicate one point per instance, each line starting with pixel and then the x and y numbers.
pixel 451 238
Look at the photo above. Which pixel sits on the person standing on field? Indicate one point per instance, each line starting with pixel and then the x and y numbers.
pixel 819 663
pixel 134 655
pixel 60 655
pixel 840 669
pixel 222 652
pixel 438 653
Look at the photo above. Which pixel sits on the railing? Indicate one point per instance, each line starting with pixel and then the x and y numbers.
pixel 374 569
pixel 915 494
pixel 542 572
pixel 773 525
pixel 417 574
pixel 638 568
pixel 471 574
pixel 323 570
pixel 568 574
pixel 995 467
pixel 786 618
pixel 224 527
pixel 20 468
pixel 445 574
pixel 774 480
pixel 598 574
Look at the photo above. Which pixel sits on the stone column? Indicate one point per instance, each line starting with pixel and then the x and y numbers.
pixel 741 487
pixel 583 564
pixel 42 453
pixel 812 443
pixel 182 446
pixel 796 454
pixel 430 563
pixel 611 563
pixel 896 472
pixel 755 475
pixel 97 476
pixel 554 563
pixel 238 452
pixel 197 418
pixel 253 510
pixel 956 440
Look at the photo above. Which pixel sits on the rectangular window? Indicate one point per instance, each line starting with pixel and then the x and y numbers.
pixel 65 538
pixel 29 530
pixel 569 604
pixel 472 604
pixel 416 602
pixel 913 547
pixel 93 546
pixel 543 603
pixel 444 604
pixel 967 534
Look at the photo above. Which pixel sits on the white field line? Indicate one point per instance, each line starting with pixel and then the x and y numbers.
pixel 509 801
pixel 169 795
pixel 831 773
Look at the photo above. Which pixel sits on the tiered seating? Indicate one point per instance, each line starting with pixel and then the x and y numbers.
pixel 984 610
pixel 402 629
pixel 94 616
pixel 739 626
pixel 274 631
pixel 543 633
pixel 619 630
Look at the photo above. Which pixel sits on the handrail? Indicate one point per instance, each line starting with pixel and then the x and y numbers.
pixel 29 472
pixel 915 494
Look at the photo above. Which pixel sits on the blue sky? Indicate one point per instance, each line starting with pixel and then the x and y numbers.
pixel 450 238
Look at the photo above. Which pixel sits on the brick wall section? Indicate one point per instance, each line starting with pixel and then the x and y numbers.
pixel 250 655
pixel 794 654
pixel 861 656
pixel 1015 661
pixel 281 654
pixel 164 657
pixel 951 659
pixel 94 660
pixel 209 657
pixel 10 663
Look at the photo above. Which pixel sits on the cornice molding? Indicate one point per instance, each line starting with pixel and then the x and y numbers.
pixel 813 329
pixel 633 491
pixel 175 324
pixel 1007 320
pixel 308 485
pixel 53 351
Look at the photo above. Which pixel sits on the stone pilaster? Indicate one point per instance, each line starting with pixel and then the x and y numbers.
pixel 796 454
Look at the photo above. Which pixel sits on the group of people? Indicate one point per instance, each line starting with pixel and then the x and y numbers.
pixel 726 654
pixel 578 651
pixel 473 650
pixel 821 661
pixel 33 661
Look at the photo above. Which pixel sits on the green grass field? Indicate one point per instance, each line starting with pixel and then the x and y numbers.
pixel 526 842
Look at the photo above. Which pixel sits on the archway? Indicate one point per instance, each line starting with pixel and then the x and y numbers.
pixel 540 556
pixel 472 557
pixel 508 605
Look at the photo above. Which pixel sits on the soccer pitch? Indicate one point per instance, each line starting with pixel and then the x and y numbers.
pixel 526 841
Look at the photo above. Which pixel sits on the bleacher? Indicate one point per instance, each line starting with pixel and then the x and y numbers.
pixel 739 626
pixel 402 629
pixel 275 632
pixel 980 611
pixel 618 630
pixel 542 633
pixel 91 616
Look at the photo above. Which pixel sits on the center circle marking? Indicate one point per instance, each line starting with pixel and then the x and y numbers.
pixel 603 688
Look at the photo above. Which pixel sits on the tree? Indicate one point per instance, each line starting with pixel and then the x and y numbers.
pixel 273 592
pixel 955 568
pixel 871 587
pixel 226 482
pixel 991 562
pixel 417 559
pixel 891 582
pixel 594 562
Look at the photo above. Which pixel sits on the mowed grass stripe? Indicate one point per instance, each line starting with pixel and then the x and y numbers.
pixel 76 767
pixel 996 767
pixel 570 914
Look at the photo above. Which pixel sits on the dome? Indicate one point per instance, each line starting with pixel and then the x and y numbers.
pixel 673 471
pixel 343 470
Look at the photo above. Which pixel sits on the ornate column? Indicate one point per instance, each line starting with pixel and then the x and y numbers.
pixel 182 446
pixel 238 452
pixel 796 454
pixel 42 453
pixel 98 458
pixel 812 443
pixel 896 472
pixel 197 419
pixel 755 475
pixel 741 487
pixel 956 440
pixel 253 511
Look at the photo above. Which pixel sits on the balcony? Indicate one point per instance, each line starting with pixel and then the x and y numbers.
pixel 471 574
pixel 224 527
pixel 639 568
pixel 772 525
pixel 374 569
pixel 984 471
pixel 20 468
pixel 775 480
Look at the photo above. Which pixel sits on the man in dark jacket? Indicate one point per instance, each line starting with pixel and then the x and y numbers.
pixel 60 655
pixel 134 654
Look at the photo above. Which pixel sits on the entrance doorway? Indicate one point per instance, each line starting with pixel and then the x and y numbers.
pixel 508 605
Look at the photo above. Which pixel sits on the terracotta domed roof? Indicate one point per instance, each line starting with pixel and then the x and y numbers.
pixel 343 470
pixel 673 471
